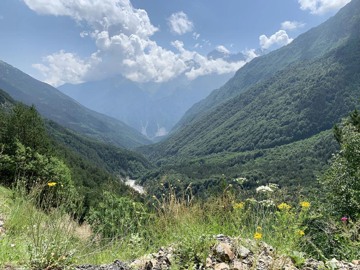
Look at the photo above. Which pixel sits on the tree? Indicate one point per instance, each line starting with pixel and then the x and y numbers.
pixel 342 180
pixel 26 126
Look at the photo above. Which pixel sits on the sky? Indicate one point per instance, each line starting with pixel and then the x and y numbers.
pixel 74 41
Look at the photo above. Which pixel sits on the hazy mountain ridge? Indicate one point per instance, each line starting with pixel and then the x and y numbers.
pixel 55 105
pixel 153 112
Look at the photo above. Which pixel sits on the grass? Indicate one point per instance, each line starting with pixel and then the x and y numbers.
pixel 52 239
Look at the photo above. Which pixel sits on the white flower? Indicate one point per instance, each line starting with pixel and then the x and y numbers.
pixel 264 189
pixel 12 245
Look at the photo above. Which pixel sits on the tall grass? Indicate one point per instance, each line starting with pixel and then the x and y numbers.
pixel 52 238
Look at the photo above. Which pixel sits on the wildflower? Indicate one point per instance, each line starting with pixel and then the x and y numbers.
pixel 263 189
pixel 301 232
pixel 257 235
pixel 51 184
pixel 305 204
pixel 258 227
pixel 238 205
pixel 284 206
pixel 344 218
pixel 267 203
pixel 12 245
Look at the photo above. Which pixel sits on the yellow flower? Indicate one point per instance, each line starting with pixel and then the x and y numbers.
pixel 257 235
pixel 305 204
pixel 284 206
pixel 301 232
pixel 258 227
pixel 51 184
pixel 238 205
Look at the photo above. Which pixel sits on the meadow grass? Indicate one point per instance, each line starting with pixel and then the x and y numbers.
pixel 38 238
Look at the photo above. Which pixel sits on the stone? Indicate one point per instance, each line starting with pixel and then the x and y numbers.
pixel 221 266
pixel 223 252
pixel 243 252
pixel 239 266
pixel 208 262
pixel 356 262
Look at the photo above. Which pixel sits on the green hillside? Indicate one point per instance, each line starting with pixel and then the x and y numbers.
pixel 54 105
pixel 334 32
pixel 92 164
pixel 295 104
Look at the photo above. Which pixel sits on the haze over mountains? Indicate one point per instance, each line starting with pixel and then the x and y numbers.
pixel 152 108
pixel 56 106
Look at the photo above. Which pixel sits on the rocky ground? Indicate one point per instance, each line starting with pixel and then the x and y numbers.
pixel 229 253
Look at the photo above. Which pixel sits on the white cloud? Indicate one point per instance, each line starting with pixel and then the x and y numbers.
pixel 110 15
pixel 322 6
pixel 180 24
pixel 291 26
pixel 222 49
pixel 280 38
pixel 73 69
pixel 249 54
pixel 122 35
pixel 195 35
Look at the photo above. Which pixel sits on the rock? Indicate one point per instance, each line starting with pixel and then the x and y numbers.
pixel 356 262
pixel 223 238
pixel 239 266
pixel 223 252
pixel 243 252
pixel 208 262
pixel 221 266
pixel 116 265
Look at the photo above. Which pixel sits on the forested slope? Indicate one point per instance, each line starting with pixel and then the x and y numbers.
pixel 317 41
pixel 54 105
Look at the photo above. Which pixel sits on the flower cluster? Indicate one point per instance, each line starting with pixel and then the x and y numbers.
pixel 264 189
pixel 284 206
pixel 305 204
pixel 301 232
pixel 238 205
pixel 257 235
pixel 51 184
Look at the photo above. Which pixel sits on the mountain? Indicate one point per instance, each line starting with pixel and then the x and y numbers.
pixel 150 108
pixel 234 57
pixel 92 164
pixel 53 104
pixel 289 108
pixel 314 43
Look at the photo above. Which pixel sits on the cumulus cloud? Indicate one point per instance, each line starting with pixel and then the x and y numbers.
pixel 180 24
pixel 280 38
pixel 109 15
pixel 122 35
pixel 72 68
pixel 322 6
pixel 222 49
pixel 292 25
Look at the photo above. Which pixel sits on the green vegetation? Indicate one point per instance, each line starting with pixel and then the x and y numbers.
pixel 316 42
pixel 89 167
pixel 293 165
pixel 54 105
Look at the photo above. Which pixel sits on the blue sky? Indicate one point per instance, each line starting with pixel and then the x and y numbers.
pixel 61 41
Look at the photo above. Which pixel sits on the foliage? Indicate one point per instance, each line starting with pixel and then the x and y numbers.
pixel 117 217
pixel 342 180
pixel 314 43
